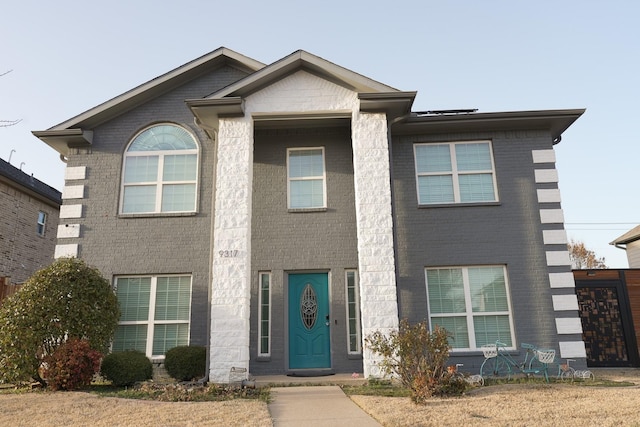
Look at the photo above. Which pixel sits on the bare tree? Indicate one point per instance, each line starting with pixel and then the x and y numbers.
pixel 7 123
pixel 583 258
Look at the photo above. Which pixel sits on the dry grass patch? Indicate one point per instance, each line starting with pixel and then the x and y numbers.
pixel 517 405
pixel 81 409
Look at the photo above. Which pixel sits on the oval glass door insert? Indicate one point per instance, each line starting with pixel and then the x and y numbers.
pixel 308 307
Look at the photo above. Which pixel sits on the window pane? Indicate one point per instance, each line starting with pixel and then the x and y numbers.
pixel 166 337
pixel 180 168
pixel 433 158
pixel 435 189
pixel 264 313
pixel 173 298
pixel 473 157
pixel 457 327
pixel 305 163
pixel 484 291
pixel 307 194
pixel 264 332
pixel 488 289
pixel 446 291
pixel 489 329
pixel 352 310
pixel 476 188
pixel 133 298
pixel 353 343
pixel 139 198
pixel 141 169
pixel 163 137
pixel 352 313
pixel 178 198
pixel 42 220
pixel 130 337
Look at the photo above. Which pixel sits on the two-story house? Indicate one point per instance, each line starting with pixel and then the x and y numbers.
pixel 28 221
pixel 280 213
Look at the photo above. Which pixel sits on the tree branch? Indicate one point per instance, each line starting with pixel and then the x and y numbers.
pixel 7 123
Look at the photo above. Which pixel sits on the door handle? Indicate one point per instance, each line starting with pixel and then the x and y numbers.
pixel 327 322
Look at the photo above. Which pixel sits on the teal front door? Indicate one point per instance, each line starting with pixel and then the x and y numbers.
pixel 309 340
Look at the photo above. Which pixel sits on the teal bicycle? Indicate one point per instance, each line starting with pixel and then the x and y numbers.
pixel 498 363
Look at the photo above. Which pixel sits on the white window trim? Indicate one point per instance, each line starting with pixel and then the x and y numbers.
pixel 468 314
pixel 358 331
pixel 41 226
pixel 454 173
pixel 159 183
pixel 305 178
pixel 152 311
pixel 260 336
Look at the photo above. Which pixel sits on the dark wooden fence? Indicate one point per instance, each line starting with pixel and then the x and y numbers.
pixel 7 288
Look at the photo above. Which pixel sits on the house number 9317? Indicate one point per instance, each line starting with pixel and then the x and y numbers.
pixel 228 254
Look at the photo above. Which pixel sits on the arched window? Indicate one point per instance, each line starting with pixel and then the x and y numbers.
pixel 160 171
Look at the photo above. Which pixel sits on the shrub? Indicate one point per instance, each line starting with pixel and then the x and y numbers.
pixel 72 365
pixel 126 368
pixel 418 358
pixel 65 300
pixel 186 363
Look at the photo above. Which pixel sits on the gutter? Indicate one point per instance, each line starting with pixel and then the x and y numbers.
pixel 212 133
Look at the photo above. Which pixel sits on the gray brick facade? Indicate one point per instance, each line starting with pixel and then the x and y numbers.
pixel 121 245
pixel 289 242
pixel 372 222
pixel 504 233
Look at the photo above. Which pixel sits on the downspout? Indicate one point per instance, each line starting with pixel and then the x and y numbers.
pixel 212 133
pixel 393 205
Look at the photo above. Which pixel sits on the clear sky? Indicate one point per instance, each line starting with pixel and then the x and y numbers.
pixel 69 56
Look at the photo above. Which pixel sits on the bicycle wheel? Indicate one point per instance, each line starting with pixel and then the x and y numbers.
pixel 568 374
pixel 495 367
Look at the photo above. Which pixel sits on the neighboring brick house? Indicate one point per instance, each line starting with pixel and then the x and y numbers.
pixel 28 220
pixel 281 213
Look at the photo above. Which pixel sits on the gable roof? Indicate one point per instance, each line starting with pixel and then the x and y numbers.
pixel 628 237
pixel 28 184
pixel 73 132
pixel 296 61
pixel 373 95
pixel 176 77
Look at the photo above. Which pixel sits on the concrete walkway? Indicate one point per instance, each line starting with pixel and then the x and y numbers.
pixel 316 406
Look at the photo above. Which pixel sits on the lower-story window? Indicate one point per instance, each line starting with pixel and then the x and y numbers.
pixel 264 315
pixel 472 304
pixel 154 313
pixel 353 312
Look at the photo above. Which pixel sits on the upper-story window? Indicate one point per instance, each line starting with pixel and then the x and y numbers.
pixel 160 171
pixel 42 223
pixel 458 172
pixel 306 178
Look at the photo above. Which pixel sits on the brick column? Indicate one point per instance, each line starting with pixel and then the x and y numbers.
pixel 231 287
pixel 376 258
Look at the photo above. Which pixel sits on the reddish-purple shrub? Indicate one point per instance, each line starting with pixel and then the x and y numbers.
pixel 72 365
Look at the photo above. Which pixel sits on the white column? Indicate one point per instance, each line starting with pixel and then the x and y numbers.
pixel 230 296
pixel 376 259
